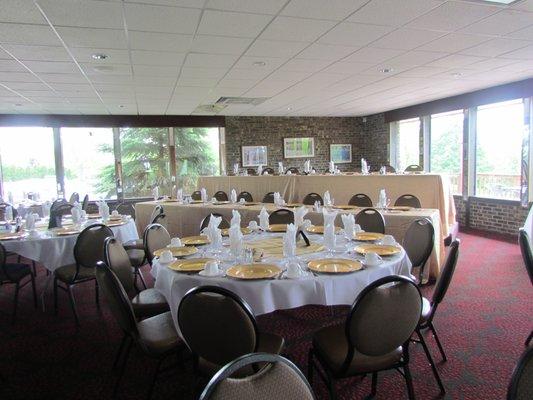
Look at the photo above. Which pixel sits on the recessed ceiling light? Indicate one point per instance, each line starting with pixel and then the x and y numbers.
pixel 121 106
pixel 259 64
pixel 386 70
pixel 289 108
pixel 99 56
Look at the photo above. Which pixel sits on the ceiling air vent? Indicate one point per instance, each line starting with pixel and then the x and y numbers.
pixel 254 101
pixel 209 108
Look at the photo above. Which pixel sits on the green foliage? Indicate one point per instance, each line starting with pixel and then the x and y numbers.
pixel 12 173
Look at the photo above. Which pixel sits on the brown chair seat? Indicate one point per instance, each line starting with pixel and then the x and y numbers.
pixel 134 244
pixel 15 271
pixel 268 343
pixel 67 273
pixel 332 346
pixel 426 310
pixel 158 333
pixel 149 302
pixel 136 256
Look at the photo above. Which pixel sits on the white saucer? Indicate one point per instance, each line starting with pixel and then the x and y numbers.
pixel 168 262
pixel 206 275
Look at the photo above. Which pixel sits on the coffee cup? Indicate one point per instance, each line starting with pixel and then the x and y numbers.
pixel 242 201
pixel 213 200
pixel 166 256
pixel 253 225
pixel 357 229
pixel 372 258
pixel 176 242
pixel 211 268
pixel 115 213
pixel 388 240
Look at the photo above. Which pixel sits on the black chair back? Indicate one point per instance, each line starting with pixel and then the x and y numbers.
pixel 269 197
pixel 85 203
pixel 419 241
pixel 57 203
pixel 267 170
pixel 521 384
pixel 390 169
pixel 57 213
pixel 74 197
pixel 196 195
pixel 413 168
pixel 246 196
pixel 370 220
pixel 311 198
pixel 293 170
pixel 408 200
pixel 221 196
pixel 224 224
pixel 251 171
pixel 446 275
pixel 360 200
pixel 281 216
pixel 3 207
pixel 527 254
pixel 90 245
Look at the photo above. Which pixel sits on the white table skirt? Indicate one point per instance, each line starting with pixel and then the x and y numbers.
pixel 54 252
pixel 265 296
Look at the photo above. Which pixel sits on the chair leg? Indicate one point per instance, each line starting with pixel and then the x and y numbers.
pixel 529 338
pixel 331 386
pixel 374 389
pixel 409 382
pixel 431 362
pixel 96 294
pixel 34 291
pixel 141 277
pixel 15 303
pixel 154 379
pixel 439 345
pixel 73 305
pixel 34 268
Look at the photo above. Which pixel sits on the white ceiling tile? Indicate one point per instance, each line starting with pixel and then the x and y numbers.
pixel 525 53
pixel 326 52
pixel 297 29
pixel 415 57
pixel 305 65
pixel 17 77
pixel 270 62
pixel 372 55
pixel 352 34
pixel 38 53
pixel 454 42
pixel 406 39
pixel 159 41
pixel 247 6
pixel 526 33
pixel 27 85
pixel 157 70
pixel 288 76
pixel 208 73
pixel 393 12
pixel 21 11
pixel 11 66
pixel 491 63
pixel 51 66
pixel 202 82
pixel 143 57
pixel 275 48
pixel 455 60
pixel 523 5
pixel 114 56
pixel 88 37
pixel 210 60
pixel 422 72
pixel 232 24
pixel 335 10
pixel 505 21
pixel 28 35
pixel 495 47
pixel 237 83
pixel 219 44
pixel 150 18
pixel 175 3
pixel 247 73
pixel 110 78
pixel 83 13
pixel 453 15
pixel 146 80
pixel 106 69
pixel 347 68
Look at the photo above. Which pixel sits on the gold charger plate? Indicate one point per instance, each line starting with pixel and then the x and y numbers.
pixel 319 229
pixel 93 216
pixel 368 236
pixel 346 207
pixel 334 265
pixel 195 240
pixel 400 208
pixel 277 228
pixel 250 203
pixel 66 231
pixel 116 223
pixel 196 201
pixel 178 251
pixel 379 249
pixel 190 265
pixel 218 203
pixel 245 231
pixel 12 235
pixel 293 205
pixel 253 271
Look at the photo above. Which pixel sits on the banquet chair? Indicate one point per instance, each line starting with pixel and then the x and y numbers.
pixel 251 171
pixel 370 220
pixel 418 243
pixel 390 169
pixel 154 217
pixel 3 207
pixel 281 216
pixel 57 214
pixel 156 337
pixel 74 197
pixel 360 200
pixel 247 196
pixel 280 379
pixel 155 237
pixel 15 273
pixel 374 338
pixel 85 203
pixel 196 195
pixel 408 200
pixel 221 196
pixel 268 170
pixel 224 224
pixel 146 303
pixel 527 255
pixel 227 329
pixel 269 197
pixel 293 170
pixel 311 198
pixel 58 202
pixel 124 208
pixel 413 168
pixel 88 250
pixel 521 384
pixel 430 307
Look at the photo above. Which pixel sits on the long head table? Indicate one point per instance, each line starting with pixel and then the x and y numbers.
pixel 433 190
pixel 184 220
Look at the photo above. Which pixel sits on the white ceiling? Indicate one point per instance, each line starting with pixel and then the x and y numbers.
pixel 321 57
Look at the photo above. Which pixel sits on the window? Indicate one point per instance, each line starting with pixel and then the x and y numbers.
pixel 89 162
pixel 197 153
pixel 27 163
pixel 446 152
pixel 405 140
pixel 145 161
pixel 500 129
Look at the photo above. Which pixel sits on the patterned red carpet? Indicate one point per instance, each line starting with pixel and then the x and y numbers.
pixel 483 322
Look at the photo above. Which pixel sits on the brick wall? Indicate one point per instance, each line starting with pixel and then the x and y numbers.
pixel 270 131
pixel 375 139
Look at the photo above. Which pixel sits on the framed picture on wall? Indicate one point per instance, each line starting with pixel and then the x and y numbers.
pixel 299 147
pixel 254 156
pixel 340 153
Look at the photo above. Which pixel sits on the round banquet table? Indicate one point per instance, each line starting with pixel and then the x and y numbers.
pixel 268 295
pixel 55 251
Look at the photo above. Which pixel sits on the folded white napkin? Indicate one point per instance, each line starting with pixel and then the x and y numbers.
pixel 327 199
pixel 236 218
pixel 203 194
pixel 8 213
pixel 299 215
pixel 364 166
pixel 76 215
pixel 382 200
pixel 235 239
pixel 329 236
pixel 259 170
pixel 278 200
pixel 30 221
pixel 289 241
pixel 179 195
pixel 348 221
pixel 329 217
pixel 316 206
pixel 155 192
pixel 307 166
pixel 263 219
pixel 236 169
pixel 233 196
pixel 332 167
pixel 216 238
pixel 103 210
pixel 281 170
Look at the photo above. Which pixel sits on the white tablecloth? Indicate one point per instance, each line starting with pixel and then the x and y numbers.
pixel 265 296
pixel 55 251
